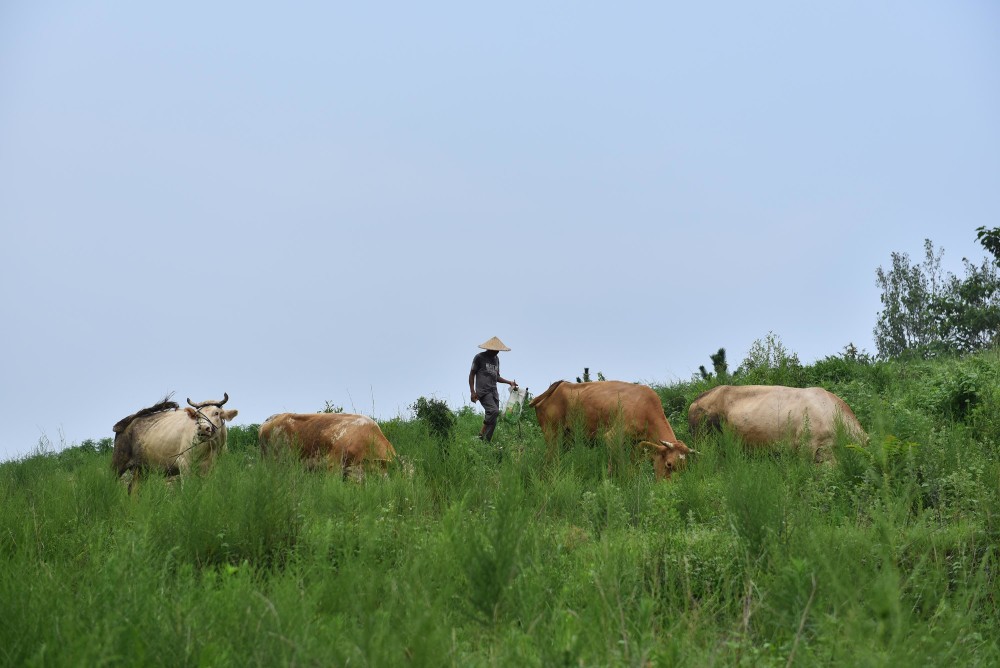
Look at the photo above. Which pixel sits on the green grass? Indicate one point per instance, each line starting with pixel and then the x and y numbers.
pixel 539 558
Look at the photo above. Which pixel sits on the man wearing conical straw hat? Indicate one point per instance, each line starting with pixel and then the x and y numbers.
pixel 483 379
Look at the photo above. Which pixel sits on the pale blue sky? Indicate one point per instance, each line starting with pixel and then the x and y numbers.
pixel 308 202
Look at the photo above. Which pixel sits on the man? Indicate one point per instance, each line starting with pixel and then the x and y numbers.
pixel 483 379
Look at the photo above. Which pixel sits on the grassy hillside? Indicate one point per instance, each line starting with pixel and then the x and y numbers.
pixel 887 557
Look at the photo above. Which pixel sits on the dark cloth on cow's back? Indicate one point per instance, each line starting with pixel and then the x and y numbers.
pixel 486 366
pixel 165 405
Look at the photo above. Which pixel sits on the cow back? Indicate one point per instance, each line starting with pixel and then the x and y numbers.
pixel 326 439
pixel 764 414
pixel 598 405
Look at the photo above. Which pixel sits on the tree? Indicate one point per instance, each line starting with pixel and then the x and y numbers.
pixel 718 364
pixel 990 240
pixel 906 323
pixel 928 312
pixel 968 311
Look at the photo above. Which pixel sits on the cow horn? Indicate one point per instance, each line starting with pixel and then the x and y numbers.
pixel 670 446
pixel 202 404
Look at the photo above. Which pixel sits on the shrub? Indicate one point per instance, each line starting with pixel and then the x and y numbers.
pixel 436 414
pixel 769 362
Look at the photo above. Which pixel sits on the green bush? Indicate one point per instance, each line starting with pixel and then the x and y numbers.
pixel 436 415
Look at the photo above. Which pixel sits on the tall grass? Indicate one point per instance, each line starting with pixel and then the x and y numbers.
pixel 543 556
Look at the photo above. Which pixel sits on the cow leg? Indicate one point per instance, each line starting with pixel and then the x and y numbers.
pixel 132 478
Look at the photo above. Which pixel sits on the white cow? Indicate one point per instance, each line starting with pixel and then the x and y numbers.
pixel 163 438
pixel 766 414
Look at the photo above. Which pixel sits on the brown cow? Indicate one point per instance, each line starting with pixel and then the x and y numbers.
pixel 600 405
pixel 169 440
pixel 328 440
pixel 764 414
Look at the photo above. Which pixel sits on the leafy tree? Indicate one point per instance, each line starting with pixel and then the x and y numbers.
pixel 927 312
pixel 990 240
pixel 906 323
pixel 719 365
pixel 968 312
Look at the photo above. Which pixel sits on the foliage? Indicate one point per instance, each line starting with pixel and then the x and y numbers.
pixel 906 324
pixel 242 438
pixel 330 407
pixel 885 556
pixel 839 368
pixel 769 362
pixel 586 376
pixel 100 446
pixel 968 312
pixel 928 312
pixel 436 415
pixel 989 238
pixel 719 366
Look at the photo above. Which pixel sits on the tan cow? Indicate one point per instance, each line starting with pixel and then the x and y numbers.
pixel 598 406
pixel 163 438
pixel 764 414
pixel 328 440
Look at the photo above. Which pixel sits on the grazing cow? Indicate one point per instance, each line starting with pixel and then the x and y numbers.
pixel 165 439
pixel 765 414
pixel 598 406
pixel 328 440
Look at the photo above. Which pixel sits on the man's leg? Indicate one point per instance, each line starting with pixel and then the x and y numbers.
pixel 491 404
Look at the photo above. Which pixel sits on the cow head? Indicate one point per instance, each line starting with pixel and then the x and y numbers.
pixel 667 457
pixel 210 418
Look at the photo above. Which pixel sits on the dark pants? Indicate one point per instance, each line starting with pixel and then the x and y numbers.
pixel 491 404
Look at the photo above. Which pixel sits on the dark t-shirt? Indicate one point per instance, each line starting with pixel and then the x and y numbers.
pixel 487 370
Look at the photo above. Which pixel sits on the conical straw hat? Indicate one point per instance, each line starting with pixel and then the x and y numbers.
pixel 493 344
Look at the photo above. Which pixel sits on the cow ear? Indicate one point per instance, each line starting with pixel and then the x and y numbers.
pixel 191 413
pixel 229 415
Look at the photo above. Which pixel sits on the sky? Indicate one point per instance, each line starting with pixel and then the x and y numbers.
pixel 318 202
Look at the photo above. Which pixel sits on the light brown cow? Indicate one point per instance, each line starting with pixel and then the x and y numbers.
pixel 328 440
pixel 764 414
pixel 599 406
pixel 169 440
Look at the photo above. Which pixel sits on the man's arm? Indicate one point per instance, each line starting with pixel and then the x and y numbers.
pixel 472 387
